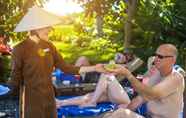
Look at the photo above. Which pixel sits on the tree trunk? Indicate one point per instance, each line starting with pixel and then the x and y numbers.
pixel 185 63
pixel 132 5
pixel 99 25
pixel 27 4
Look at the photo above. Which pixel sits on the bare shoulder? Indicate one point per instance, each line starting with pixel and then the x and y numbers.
pixel 177 75
pixel 177 78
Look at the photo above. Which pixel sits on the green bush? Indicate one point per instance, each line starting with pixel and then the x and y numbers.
pixel 4 68
pixel 97 50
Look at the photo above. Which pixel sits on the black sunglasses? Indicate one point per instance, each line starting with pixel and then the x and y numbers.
pixel 161 56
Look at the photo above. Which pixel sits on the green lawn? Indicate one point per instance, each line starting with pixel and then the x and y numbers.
pixel 71 53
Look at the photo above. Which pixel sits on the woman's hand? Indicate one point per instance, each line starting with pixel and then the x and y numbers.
pixel 100 68
pixel 119 69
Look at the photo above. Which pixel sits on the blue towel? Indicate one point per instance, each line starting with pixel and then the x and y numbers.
pixel 4 90
pixel 61 76
pixel 76 111
pixel 142 110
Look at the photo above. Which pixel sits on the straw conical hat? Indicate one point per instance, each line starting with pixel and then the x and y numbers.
pixel 37 18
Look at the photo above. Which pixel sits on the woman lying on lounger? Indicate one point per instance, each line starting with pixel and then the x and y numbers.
pixel 108 89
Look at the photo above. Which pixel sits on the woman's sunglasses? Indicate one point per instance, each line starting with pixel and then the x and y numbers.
pixel 161 56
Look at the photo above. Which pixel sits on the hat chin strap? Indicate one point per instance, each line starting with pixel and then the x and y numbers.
pixel 35 38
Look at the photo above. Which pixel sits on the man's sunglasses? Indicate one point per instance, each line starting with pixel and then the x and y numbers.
pixel 161 56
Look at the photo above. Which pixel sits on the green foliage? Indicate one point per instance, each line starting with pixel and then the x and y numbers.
pixel 81 37
pixel 160 22
pixel 98 50
pixel 62 33
pixel 101 45
pixel 155 22
pixel 11 11
pixel 100 7
pixel 4 68
pixel 10 14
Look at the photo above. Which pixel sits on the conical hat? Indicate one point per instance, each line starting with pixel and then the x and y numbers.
pixel 37 18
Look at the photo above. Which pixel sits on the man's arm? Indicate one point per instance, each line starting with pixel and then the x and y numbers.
pixel 164 88
pixel 167 86
pixel 136 102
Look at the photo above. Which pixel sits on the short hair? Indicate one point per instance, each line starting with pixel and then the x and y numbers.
pixel 172 48
pixel 82 61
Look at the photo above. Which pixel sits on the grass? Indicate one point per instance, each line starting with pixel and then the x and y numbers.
pixel 70 53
